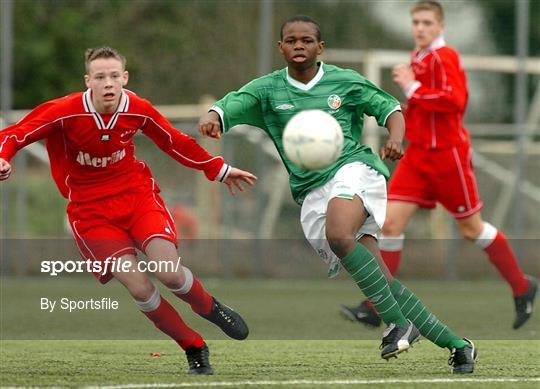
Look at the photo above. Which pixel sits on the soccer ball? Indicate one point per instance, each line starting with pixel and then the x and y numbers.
pixel 313 139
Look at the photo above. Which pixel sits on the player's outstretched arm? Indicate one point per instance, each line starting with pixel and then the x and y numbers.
pixel 210 125
pixel 393 148
pixel 5 169
pixel 235 179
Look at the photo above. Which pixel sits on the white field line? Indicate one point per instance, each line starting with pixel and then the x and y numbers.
pixel 318 382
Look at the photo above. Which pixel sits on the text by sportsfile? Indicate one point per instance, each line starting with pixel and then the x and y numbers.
pixel 65 304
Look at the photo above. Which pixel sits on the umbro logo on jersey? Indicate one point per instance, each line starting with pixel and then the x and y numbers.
pixel 86 159
pixel 285 107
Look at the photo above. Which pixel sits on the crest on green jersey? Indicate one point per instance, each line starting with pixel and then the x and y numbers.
pixel 334 101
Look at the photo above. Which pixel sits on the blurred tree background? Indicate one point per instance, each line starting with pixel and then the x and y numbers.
pixel 179 50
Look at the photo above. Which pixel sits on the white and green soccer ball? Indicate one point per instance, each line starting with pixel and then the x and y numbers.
pixel 313 139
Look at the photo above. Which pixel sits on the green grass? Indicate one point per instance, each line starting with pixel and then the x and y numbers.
pixel 77 363
pixel 296 334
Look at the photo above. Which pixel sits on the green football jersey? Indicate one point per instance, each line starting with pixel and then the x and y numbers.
pixel 270 101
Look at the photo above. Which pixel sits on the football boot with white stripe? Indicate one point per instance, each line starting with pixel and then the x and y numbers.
pixel 524 304
pixel 398 339
pixel 363 313
pixel 463 359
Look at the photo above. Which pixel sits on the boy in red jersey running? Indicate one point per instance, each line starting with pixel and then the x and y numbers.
pixel 114 203
pixel 437 166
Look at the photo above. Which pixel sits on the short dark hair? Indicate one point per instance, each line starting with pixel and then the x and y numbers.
pixel 429 5
pixel 102 52
pixel 301 18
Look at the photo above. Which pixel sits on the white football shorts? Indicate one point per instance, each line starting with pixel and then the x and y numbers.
pixel 355 178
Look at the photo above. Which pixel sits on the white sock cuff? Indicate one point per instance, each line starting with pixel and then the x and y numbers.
pixel 391 243
pixel 187 284
pixel 487 236
pixel 151 304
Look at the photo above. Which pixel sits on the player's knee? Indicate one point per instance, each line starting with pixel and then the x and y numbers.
pixel 141 291
pixel 340 241
pixel 392 227
pixel 173 279
pixel 469 232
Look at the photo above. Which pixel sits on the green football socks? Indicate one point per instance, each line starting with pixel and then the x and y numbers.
pixel 427 323
pixel 366 273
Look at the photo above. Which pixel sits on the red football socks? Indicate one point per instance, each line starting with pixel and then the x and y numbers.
pixel 503 258
pixel 169 321
pixel 391 258
pixel 391 248
pixel 198 297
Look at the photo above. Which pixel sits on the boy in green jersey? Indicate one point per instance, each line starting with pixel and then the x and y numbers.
pixel 344 205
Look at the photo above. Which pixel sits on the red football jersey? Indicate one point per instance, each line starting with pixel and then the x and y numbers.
pixel 437 99
pixel 92 154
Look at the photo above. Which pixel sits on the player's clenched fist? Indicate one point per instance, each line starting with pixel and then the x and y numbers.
pixel 402 75
pixel 209 125
pixel 392 150
pixel 5 169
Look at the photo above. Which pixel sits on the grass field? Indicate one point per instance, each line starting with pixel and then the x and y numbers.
pixel 297 339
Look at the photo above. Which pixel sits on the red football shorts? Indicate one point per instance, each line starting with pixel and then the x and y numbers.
pixel 426 177
pixel 117 225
